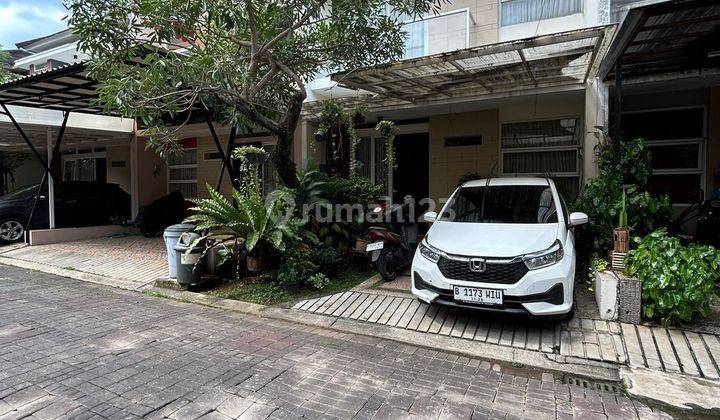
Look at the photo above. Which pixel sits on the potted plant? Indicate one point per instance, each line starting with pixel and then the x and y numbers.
pixel 255 262
pixel 621 237
pixel 621 234
pixel 328 259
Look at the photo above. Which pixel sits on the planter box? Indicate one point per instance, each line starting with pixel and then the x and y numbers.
pixel 629 299
pixel 606 294
pixel 618 297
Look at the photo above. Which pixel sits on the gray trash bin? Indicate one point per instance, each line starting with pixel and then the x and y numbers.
pixel 187 254
pixel 171 236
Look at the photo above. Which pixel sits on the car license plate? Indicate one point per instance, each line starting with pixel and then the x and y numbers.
pixel 375 246
pixel 477 295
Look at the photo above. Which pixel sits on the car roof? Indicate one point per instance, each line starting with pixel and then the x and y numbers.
pixel 503 181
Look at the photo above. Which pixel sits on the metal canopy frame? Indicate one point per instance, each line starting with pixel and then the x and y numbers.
pixel 67 89
pixel 677 39
pixel 549 61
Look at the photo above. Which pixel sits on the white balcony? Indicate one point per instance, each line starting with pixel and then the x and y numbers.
pixel 437 34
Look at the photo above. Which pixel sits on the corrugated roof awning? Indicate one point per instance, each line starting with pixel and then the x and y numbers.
pixel 67 88
pixel 567 58
pixel 670 37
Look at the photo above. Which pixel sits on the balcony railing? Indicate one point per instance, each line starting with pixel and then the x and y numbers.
pixel 513 12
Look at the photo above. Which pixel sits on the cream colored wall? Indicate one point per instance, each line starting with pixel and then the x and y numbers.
pixel 483 22
pixel 713 152
pixel 207 170
pixel 544 107
pixel 119 175
pixel 152 175
pixel 447 164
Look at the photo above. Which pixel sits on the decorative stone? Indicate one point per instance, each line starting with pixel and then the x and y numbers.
pixel 629 299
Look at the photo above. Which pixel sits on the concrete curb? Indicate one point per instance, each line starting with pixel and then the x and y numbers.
pixel 677 393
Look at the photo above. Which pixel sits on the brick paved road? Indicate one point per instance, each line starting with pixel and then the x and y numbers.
pixel 77 350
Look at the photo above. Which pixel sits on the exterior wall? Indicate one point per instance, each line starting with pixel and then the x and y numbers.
pixel 207 170
pixel 152 175
pixel 713 149
pixel 483 19
pixel 447 164
pixel 120 174
pixel 29 173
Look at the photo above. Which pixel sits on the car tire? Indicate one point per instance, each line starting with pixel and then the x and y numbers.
pixel 12 229
pixel 571 314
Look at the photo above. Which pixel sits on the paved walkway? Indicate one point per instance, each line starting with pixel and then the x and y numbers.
pixel 132 261
pixel 76 350
pixel 661 349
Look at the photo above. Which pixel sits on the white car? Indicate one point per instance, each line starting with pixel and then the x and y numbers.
pixel 501 244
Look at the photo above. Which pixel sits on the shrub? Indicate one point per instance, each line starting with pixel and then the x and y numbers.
pixel 677 281
pixel 296 268
pixel 353 190
pixel 626 166
pixel 319 281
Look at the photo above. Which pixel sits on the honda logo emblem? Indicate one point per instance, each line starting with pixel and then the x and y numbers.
pixel 477 265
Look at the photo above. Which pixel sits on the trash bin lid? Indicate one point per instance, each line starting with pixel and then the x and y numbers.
pixel 186 240
pixel 179 228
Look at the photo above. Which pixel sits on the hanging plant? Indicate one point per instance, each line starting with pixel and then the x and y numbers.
pixel 251 158
pixel 387 130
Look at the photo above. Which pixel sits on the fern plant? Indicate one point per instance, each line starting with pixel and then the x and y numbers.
pixel 257 221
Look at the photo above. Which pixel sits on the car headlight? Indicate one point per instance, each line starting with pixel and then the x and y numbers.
pixel 544 258
pixel 429 252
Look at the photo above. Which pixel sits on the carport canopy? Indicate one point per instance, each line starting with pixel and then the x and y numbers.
pixel 37 108
pixel 547 61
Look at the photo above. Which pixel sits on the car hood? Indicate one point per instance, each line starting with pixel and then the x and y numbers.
pixel 501 240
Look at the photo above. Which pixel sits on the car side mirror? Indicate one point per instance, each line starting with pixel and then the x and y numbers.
pixel 429 217
pixel 577 219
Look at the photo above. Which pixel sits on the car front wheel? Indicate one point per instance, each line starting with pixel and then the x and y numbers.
pixel 11 230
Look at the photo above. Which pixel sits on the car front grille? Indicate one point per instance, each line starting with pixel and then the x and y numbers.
pixel 500 273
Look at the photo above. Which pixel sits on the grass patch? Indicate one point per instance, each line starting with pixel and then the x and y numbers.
pixel 273 294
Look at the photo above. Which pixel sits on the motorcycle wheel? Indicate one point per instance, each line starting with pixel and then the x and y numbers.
pixel 385 265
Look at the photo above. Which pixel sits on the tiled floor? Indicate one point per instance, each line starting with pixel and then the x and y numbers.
pixel 133 259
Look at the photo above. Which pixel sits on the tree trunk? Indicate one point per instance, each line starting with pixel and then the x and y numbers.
pixel 282 155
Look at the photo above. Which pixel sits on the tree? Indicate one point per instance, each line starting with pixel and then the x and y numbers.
pixel 5 64
pixel 247 61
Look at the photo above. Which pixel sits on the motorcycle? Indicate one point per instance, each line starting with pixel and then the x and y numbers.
pixel 706 213
pixel 161 213
pixel 392 246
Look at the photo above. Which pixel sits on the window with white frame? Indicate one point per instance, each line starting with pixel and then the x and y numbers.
pixel 543 148
pixel 182 172
pixel 513 12
pixel 676 138
pixel 434 34
pixel 85 165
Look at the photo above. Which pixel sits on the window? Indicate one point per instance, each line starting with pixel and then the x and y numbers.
pixel 85 165
pixel 676 139
pixel 513 12
pixel 372 162
pixel 436 33
pixel 543 148
pixel 529 204
pixel 270 180
pixel 182 172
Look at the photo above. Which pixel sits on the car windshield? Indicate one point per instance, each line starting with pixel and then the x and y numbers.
pixel 529 204
pixel 21 193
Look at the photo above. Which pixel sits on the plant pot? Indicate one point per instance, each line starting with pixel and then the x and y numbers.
pixel 361 245
pixel 290 288
pixel 320 136
pixel 331 269
pixel 358 118
pixel 385 131
pixel 255 264
pixel 255 159
pixel 621 240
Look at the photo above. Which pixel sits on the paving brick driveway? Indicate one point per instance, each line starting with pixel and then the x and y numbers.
pixel 77 350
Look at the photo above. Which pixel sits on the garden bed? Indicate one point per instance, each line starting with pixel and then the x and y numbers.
pixel 264 291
